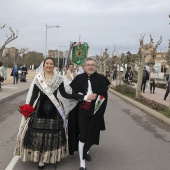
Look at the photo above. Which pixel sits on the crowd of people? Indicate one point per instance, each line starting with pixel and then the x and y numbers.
pixel 148 79
pixel 151 78
pixel 64 117
pixel 19 73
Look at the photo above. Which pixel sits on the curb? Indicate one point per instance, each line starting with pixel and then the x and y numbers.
pixel 13 95
pixel 144 108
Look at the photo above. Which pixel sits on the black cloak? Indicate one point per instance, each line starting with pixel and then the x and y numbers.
pixel 99 84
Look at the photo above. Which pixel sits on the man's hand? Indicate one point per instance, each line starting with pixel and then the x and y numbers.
pixel 92 96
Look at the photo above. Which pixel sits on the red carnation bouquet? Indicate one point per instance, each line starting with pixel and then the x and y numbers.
pixel 98 103
pixel 26 110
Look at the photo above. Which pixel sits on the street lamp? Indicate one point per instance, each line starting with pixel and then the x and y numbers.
pixel 46 37
pixel 128 60
pixel 58 55
pixel 79 37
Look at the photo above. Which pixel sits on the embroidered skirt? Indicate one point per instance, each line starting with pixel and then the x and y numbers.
pixel 33 145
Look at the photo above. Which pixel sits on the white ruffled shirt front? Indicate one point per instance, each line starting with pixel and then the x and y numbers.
pixel 88 92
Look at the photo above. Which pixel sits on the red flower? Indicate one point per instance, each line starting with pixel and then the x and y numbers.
pixel 101 97
pixel 26 110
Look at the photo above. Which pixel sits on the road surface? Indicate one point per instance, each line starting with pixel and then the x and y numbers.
pixel 133 140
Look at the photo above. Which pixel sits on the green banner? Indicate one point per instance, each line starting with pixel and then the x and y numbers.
pixel 79 53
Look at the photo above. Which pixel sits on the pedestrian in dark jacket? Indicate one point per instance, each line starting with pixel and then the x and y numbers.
pixel 130 77
pixel 114 74
pixel 145 78
pixel 167 80
pixel 14 73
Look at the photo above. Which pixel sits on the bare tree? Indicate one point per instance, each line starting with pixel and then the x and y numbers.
pixel 141 40
pixel 13 35
pixel 151 62
pixel 20 53
pixel 144 50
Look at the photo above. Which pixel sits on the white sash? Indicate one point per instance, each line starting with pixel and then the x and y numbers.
pixel 50 95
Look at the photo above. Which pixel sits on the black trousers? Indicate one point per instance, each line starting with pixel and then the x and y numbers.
pixel 143 85
pixel 167 92
pixel 152 86
pixel 83 123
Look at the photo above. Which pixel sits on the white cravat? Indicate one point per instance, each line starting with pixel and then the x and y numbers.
pixel 88 92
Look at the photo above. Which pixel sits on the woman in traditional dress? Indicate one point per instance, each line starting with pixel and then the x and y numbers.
pixel 42 137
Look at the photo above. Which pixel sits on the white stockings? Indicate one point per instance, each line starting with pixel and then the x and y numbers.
pixel 41 163
pixel 82 161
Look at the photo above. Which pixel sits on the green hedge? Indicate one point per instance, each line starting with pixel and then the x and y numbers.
pixel 126 90
pixel 131 93
pixel 161 85
pixel 158 84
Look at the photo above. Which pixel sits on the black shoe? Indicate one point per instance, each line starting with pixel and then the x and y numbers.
pixel 88 158
pixel 164 99
pixel 81 168
pixel 40 167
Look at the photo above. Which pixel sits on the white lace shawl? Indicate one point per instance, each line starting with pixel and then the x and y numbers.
pixel 57 79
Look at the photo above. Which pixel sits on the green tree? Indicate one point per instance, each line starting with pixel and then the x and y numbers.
pixel 33 58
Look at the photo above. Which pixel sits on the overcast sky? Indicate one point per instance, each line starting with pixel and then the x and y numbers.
pixel 102 24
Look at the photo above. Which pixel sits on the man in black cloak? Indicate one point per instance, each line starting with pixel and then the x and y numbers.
pixel 83 125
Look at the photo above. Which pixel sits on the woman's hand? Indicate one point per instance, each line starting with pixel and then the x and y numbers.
pixel 92 96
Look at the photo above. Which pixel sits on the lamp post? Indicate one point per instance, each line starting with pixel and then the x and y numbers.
pixel 79 37
pixel 128 60
pixel 59 56
pixel 46 37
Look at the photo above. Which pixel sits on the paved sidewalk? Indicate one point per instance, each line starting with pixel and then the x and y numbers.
pixel 13 90
pixel 158 96
pixel 10 90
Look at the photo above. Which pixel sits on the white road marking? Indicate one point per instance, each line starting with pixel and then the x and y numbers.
pixel 12 163
pixel 9 87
